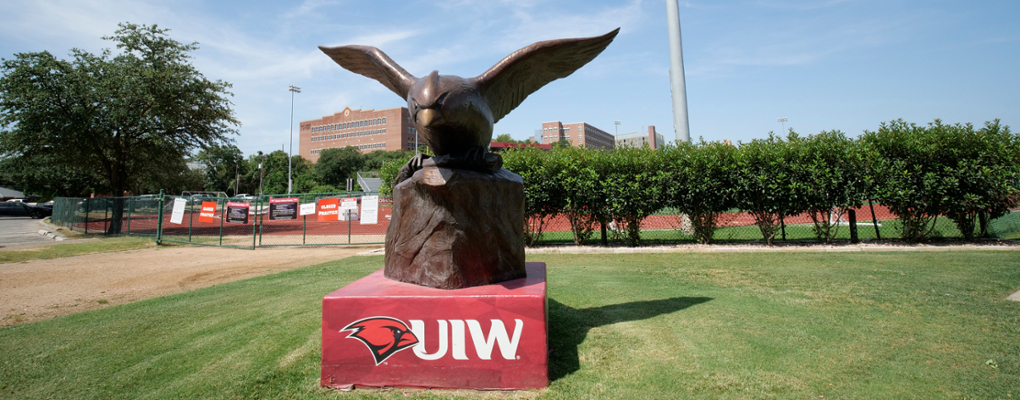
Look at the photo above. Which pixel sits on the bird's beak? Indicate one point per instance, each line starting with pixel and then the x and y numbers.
pixel 428 117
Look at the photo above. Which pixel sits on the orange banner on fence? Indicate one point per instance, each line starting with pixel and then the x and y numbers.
pixel 208 212
pixel 329 209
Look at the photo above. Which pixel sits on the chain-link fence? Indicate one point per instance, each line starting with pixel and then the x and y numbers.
pixel 313 219
pixel 306 219
pixel 872 222
pixel 137 215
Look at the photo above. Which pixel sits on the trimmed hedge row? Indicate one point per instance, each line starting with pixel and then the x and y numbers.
pixel 920 172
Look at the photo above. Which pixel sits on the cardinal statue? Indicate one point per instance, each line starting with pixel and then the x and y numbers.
pixel 455 115
pixel 458 217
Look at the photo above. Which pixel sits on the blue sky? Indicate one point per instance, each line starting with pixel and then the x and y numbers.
pixel 824 64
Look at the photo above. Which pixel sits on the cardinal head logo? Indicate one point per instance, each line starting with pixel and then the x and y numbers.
pixel 384 336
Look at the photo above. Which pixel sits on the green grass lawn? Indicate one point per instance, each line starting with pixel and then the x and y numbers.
pixel 705 326
pixel 104 245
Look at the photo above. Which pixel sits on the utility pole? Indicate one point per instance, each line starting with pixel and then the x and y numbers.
pixel 290 155
pixel 262 172
pixel 677 81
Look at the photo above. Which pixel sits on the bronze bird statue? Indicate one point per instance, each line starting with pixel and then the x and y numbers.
pixel 455 115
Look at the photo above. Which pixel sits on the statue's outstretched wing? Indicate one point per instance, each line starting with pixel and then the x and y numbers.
pixel 520 74
pixel 373 63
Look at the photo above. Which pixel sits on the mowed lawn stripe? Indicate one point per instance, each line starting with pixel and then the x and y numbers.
pixel 735 325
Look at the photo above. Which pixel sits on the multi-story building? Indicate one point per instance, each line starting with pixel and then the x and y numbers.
pixel 653 139
pixel 579 134
pixel 367 130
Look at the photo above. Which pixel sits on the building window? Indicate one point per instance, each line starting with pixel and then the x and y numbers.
pixel 384 120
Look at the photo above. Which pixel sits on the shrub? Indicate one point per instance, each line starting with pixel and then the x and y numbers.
pixel 633 187
pixel 580 176
pixel 833 170
pixel 985 171
pixel 766 184
pixel 699 181
pixel 543 194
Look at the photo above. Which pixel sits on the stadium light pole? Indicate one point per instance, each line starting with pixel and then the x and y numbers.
pixel 290 154
pixel 782 120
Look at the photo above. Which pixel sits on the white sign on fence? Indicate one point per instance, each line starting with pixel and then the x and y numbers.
pixel 308 209
pixel 348 209
pixel 177 217
pixel 369 210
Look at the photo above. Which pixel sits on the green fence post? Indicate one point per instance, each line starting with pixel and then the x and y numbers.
pixel 304 227
pixel 254 222
pixel 88 205
pixel 191 218
pixel 223 215
pixel 159 219
pixel 348 226
pixel 261 228
pixel 106 218
pixel 130 199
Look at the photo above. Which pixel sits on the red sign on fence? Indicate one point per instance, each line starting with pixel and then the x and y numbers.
pixel 208 213
pixel 329 209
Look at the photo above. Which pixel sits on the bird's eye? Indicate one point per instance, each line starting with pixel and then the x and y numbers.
pixel 415 103
pixel 442 98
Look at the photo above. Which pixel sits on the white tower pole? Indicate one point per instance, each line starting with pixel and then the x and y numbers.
pixel 677 81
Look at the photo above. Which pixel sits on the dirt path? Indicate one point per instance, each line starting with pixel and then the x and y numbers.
pixel 42 289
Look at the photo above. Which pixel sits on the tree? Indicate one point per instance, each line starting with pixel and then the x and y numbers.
pixel 834 173
pixel 699 182
pixel 223 166
pixel 505 138
pixel 562 144
pixel 766 184
pixel 543 192
pixel 116 116
pixel 335 166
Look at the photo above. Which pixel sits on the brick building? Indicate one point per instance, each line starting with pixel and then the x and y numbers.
pixel 579 134
pixel 367 130
pixel 653 139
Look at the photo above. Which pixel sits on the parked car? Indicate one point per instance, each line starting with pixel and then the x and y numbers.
pixel 17 209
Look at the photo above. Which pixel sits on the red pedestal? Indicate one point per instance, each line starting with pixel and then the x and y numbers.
pixel 380 332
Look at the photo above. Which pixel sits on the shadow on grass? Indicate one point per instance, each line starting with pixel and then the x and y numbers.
pixel 568 326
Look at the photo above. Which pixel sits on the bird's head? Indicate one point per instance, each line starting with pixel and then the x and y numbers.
pixel 384 336
pixel 450 113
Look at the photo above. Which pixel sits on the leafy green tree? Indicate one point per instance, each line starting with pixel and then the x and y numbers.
pixel 223 166
pixel 913 178
pixel 47 178
pixel 543 192
pixel 699 181
pixel 505 138
pixel 923 172
pixel 112 115
pixel 375 160
pixel 335 166
pixel 766 182
pixel 988 176
pixel 835 176
pixel 388 172
pixel 580 174
pixel 274 176
pixel 562 144
pixel 633 187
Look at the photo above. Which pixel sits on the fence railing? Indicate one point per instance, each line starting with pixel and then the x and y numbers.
pixel 341 219
pixel 345 218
